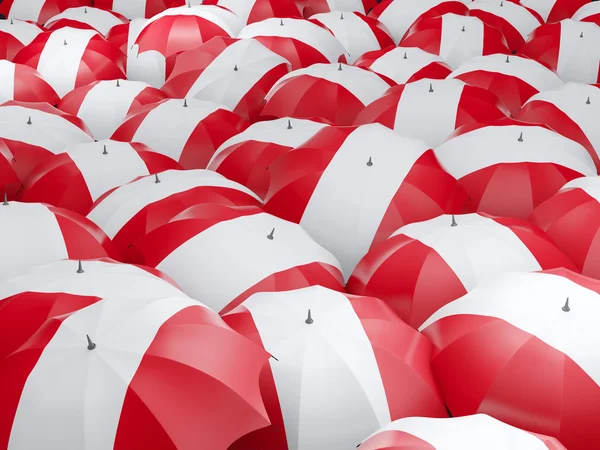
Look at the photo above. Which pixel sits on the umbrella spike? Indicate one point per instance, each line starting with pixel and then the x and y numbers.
pixel 430 87
pixel 79 267
pixel 581 35
pixel 271 235
pixel 91 345
pixel 507 59
pixel 289 126
pixel 370 162
pixel 156 179
pixel 501 2
pixel 104 152
pixel 235 68
pixel 85 10
pixel 453 224
pixel 342 16
pixel 463 28
pixel 566 307
pixel 588 102
pixel 520 137
pixel 64 42
pixel 340 66
pixel 118 83
pixel 281 23
pixel 11 22
pixel 5 202
pixel 405 56
pixel 185 103
pixel 309 320
pixel 29 122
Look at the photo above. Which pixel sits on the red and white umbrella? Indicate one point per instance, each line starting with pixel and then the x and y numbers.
pixel 426 265
pixel 38 11
pixel 221 255
pixel 399 15
pixel 572 219
pixel 458 433
pixel 237 73
pixel 590 12
pixel 38 234
pixel 121 372
pixel 10 183
pixel 78 176
pixel 523 348
pixel 357 33
pixel 302 42
pixel 513 79
pixel 351 187
pixel 570 47
pixel 508 167
pixel 104 105
pixel 456 38
pixel 404 64
pixel 130 211
pixel 69 58
pixel 189 131
pixel 432 109
pixel 14 35
pixel 245 158
pixel 24 84
pixel 569 109
pixel 100 20
pixel 323 6
pixel 135 9
pixel 554 10
pixel 251 11
pixel 183 28
pixel 334 92
pixel 342 366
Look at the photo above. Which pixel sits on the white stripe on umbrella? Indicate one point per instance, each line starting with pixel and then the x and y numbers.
pixel 23 31
pixel 589 185
pixel 130 8
pixel 390 64
pixel 469 41
pixel 7 75
pixel 579 51
pixel 587 10
pixel 26 9
pixel 99 19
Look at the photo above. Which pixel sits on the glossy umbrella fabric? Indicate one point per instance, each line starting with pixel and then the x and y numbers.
pixel 554 10
pixel 432 109
pixel 14 35
pixel 455 38
pixel 508 167
pixel 237 73
pixel 130 211
pixel 38 234
pixel 426 265
pixel 351 187
pixel 337 374
pixel 104 105
pixel 536 366
pixel 135 9
pixel 570 47
pixel 119 372
pixel 70 57
pixel 78 176
pixel 24 84
pixel 261 253
pixel 188 130
pixel 404 64
pixel 302 42
pixel 251 11
pixel 245 158
pixel 10 183
pixel 323 6
pixel 38 11
pixel 589 12
pixel 101 20
pixel 513 79
pixel 458 433
pixel 334 92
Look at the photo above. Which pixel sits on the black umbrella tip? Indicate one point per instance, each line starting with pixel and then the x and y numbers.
pixel 453 223
pixel 80 267
pixel 588 102
pixel 185 105
pixel 271 235
pixel 340 66
pixel 156 179
pixel 342 16
pixel 289 125
pixel 65 42
pixel 235 68
pixel 520 137
pixel 29 122
pixel 430 87
pixel 309 320
pixel 581 35
pixel 370 162
pixel 281 23
pixel 463 28
pixel 118 83
pixel 507 59
pixel 405 56
pixel 91 345
pixel 5 202
pixel 104 152
pixel 566 307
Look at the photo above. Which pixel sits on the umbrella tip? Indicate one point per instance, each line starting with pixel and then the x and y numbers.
pixel 309 320
pixel 104 152
pixel 5 202
pixel 501 2
pixel 566 308
pixel 156 179
pixel 520 137
pixel 342 16
pixel 289 127
pixel 29 122
pixel 271 235
pixel 588 102
pixel 507 60
pixel 85 10
pixel 463 28
pixel 405 56
pixel 185 103
pixel 11 22
pixel 118 83
pixel 65 42
pixel 91 345
pixel 235 68
pixel 340 66
pixel 430 87
pixel 453 224
pixel 281 23
pixel 370 162
pixel 79 267
pixel 581 35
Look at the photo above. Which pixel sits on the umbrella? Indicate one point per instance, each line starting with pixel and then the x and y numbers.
pixel 24 84
pixel 14 35
pixel 10 183
pixel 323 6
pixel 590 12
pixel 554 10
pixel 426 265
pixel 135 9
pixel 351 187
pixel 38 11
pixel 100 20
pixel 251 11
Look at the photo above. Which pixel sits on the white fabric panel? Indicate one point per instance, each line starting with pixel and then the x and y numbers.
pixel 92 384
pixel 587 10
pixel 351 198
pixel 430 116
pixel 150 66
pixel 7 80
pixel 466 248
pixel 31 237
pixel 132 9
pixel 393 65
pixel 24 32
pixel 520 18
pixel 579 51
pixel 464 154
pixel 457 46
pixel 100 19
pixel 346 5
pixel 26 9
pixel 325 369
pixel 542 7
pixel 590 185
pixel 533 303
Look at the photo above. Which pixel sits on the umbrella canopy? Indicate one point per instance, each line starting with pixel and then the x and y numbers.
pixel 458 433
pixel 251 11
pixel 432 109
pixel 237 73
pixel 223 254
pixel 570 47
pixel 301 42
pixel 134 209
pixel 515 22
pixel 513 79
pixel 323 6
pixel 103 366
pixel 70 57
pixel 104 105
pixel 38 234
pixel 351 187
pixel 245 158
pixel 357 33
pixel 14 35
pixel 570 110
pixel 554 10
pixel 24 84
pixel 404 64
pixel 188 131
pixel 135 9
pixel 100 20
pixel 39 11
pixel 399 15
pixel 522 348
pixel 334 92
pixel 10 183
pixel 426 265
pixel 456 38
pixel 341 367
pixel 590 12
pixel 508 167
pixel 572 219
pixel 82 173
